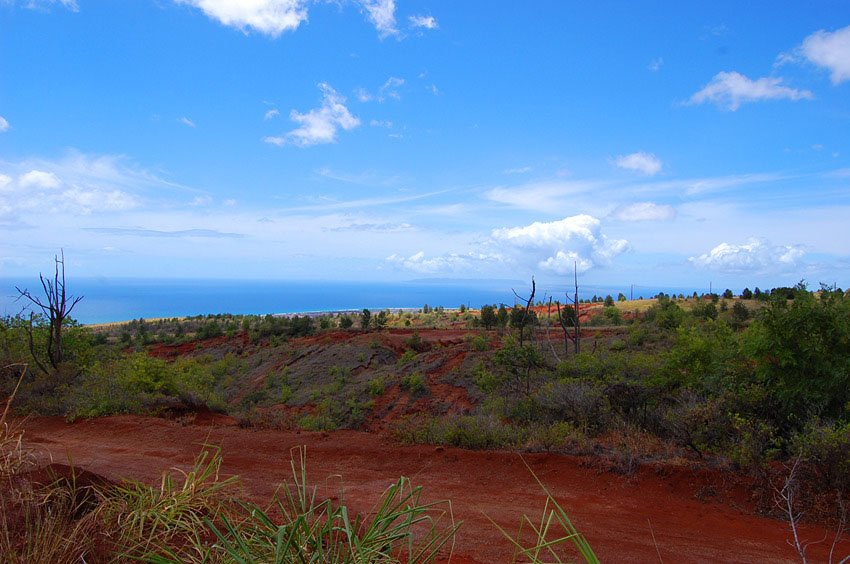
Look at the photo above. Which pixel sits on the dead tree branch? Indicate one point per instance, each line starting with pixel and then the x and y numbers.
pixel 56 306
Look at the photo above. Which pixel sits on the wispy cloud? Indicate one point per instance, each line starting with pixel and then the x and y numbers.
pixel 645 163
pixel 47 4
pixel 546 197
pixel 381 13
pixel 518 170
pixel 656 64
pixel 426 22
pixel 753 256
pixel 4 125
pixel 318 126
pixel 271 114
pixel 390 89
pixel 141 232
pixel 270 17
pixel 186 121
pixel 644 211
pixel 373 227
pixel 731 89
pixel 443 264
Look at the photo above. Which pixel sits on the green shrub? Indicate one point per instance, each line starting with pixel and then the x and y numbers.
pixel 414 383
pixel 376 386
pixel 408 356
pixel 480 343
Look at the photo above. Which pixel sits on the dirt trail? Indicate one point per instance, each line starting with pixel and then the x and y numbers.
pixel 614 512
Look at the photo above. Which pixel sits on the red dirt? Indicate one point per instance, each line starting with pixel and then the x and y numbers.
pixel 618 514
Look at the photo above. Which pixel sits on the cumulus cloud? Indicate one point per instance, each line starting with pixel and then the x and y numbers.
pixel 270 17
pixel 829 50
pixel 426 22
pixel 556 245
pixel 319 126
pixel 381 13
pixel 644 211
pixel 645 163
pixel 731 89
pixel 754 255
pixel 4 125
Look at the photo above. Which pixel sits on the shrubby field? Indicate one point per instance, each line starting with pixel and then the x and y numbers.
pixel 756 384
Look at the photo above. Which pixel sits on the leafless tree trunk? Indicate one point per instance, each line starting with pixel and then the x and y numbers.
pixel 574 322
pixel 527 307
pixel 56 306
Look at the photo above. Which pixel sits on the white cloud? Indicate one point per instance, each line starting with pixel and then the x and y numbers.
pixel 644 211
pixel 548 197
pixel 452 262
pixel 427 22
pixel 646 163
pixel 381 13
pixel 830 50
pixel 4 125
pixel 271 17
pixel 319 126
pixel 186 121
pixel 381 123
pixel 390 89
pixel 731 89
pixel 362 94
pixel 76 184
pixel 39 179
pixel 656 64
pixel 754 255
pixel 47 4
pixel 518 170
pixel 556 245
pixel 271 114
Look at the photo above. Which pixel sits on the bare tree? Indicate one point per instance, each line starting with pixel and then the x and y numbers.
pixel 567 320
pixel 57 307
pixel 786 501
pixel 528 303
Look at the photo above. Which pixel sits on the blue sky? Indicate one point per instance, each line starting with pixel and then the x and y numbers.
pixel 667 143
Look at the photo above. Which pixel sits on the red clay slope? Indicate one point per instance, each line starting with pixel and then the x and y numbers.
pixel 614 512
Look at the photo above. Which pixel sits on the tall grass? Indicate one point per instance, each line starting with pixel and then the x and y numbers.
pixel 400 528
pixel 549 536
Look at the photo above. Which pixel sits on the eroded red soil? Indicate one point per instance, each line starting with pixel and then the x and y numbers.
pixel 694 516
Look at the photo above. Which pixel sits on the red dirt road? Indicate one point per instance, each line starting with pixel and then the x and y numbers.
pixel 613 511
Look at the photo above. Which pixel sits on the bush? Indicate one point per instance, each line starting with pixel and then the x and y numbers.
pixel 479 343
pixel 414 383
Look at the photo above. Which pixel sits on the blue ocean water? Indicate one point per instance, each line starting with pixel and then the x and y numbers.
pixel 121 299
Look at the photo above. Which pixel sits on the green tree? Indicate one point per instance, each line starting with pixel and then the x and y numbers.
pixel 502 315
pixel 380 320
pixel 747 294
pixel 488 317
pixel 365 318
pixel 801 352
pixel 609 301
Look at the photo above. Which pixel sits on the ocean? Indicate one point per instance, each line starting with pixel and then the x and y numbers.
pixel 121 299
